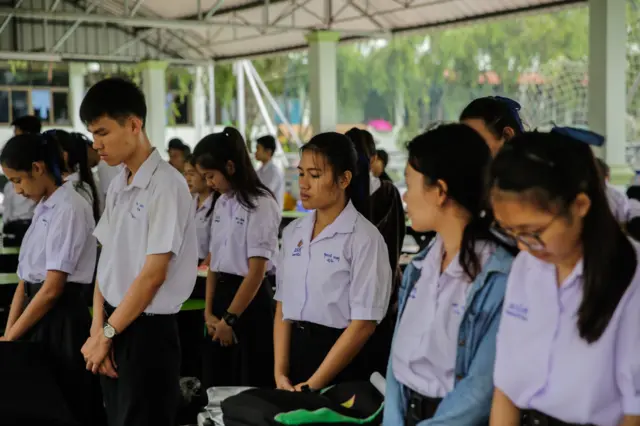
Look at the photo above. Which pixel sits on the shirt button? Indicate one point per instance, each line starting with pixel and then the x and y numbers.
pixel 459 377
pixel 461 342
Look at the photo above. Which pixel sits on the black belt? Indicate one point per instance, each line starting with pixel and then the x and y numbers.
pixel 536 418
pixel 109 310
pixel 316 329
pixel 420 407
pixel 30 289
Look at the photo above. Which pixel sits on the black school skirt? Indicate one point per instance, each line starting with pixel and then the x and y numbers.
pixel 310 344
pixel 61 333
pixel 250 361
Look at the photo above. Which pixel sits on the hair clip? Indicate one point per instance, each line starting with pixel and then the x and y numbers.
pixel 581 135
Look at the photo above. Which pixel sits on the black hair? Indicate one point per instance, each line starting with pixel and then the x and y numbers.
pixel 21 151
pixel 383 156
pixel 268 142
pixel 551 170
pixel 214 152
pixel 115 98
pixel 177 144
pixel 497 113
pixel 340 153
pixel 28 124
pixel 76 147
pixel 436 155
pixel 191 159
pixel 603 168
pixel 633 192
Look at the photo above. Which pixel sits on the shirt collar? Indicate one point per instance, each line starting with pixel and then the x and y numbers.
pixel 51 202
pixel 142 178
pixel 343 224
pixel 206 204
pixel 73 177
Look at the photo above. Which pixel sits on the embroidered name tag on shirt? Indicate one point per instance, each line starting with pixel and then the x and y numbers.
pixel 457 308
pixel 518 311
pixel 330 258
pixel 139 206
pixel 414 292
pixel 216 219
pixel 239 220
pixel 298 250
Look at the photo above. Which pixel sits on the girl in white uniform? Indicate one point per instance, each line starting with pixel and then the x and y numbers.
pixel 244 238
pixel 333 273
pixel 57 258
pixel 567 347
pixel 451 296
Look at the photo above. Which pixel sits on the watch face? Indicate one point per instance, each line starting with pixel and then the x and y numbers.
pixel 109 332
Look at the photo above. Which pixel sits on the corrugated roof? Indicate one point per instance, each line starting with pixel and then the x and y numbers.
pixel 225 30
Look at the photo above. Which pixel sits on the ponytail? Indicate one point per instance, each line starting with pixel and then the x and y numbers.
pixel 81 145
pixel 359 190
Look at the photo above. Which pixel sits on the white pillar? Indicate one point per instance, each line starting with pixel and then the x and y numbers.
pixel 77 73
pixel 323 91
pixel 607 82
pixel 154 86
pixel 199 105
pixel 240 99
pixel 212 96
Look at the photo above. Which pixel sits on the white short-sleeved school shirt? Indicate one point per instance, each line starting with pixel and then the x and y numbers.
pixel 426 340
pixel 204 214
pixel 340 276
pixel 60 238
pixel 152 215
pixel 542 363
pixel 238 234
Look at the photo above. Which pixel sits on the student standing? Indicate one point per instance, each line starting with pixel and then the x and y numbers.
pixel 333 273
pixel 568 339
pixel 496 118
pixel 147 265
pixel 57 258
pixel 450 300
pixel 269 173
pixel 387 214
pixel 244 239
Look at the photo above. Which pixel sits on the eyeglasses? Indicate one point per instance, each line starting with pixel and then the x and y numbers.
pixel 532 240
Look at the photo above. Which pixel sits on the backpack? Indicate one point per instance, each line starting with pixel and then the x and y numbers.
pixel 357 403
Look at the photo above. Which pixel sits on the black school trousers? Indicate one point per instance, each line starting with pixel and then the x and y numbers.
pixel 147 357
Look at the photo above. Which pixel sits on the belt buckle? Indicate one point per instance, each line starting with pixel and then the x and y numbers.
pixel 535 418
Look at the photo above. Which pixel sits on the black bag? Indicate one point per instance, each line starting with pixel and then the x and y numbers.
pixel 340 405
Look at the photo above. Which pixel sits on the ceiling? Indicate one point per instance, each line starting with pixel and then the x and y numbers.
pixel 226 30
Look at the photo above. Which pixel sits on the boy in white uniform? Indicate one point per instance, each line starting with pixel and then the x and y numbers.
pixel 147 266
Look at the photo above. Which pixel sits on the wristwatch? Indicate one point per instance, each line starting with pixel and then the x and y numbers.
pixel 109 331
pixel 230 318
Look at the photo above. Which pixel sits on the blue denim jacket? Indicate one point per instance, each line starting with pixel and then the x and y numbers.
pixel 469 403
